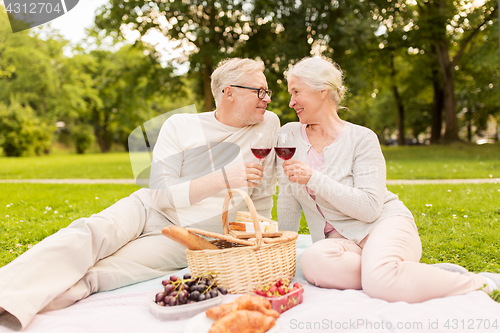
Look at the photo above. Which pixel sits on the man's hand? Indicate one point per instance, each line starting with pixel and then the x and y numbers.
pixel 297 171
pixel 245 175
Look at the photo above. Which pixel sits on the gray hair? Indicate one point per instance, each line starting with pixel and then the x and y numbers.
pixel 231 71
pixel 320 74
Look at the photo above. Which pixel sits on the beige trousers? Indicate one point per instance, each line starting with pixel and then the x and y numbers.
pixel 385 265
pixel 119 246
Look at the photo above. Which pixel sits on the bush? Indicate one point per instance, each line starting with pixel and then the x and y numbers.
pixel 83 138
pixel 22 132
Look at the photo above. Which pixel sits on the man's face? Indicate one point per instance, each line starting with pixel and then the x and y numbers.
pixel 249 109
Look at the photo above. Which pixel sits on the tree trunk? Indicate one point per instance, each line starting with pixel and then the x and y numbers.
pixel 437 113
pixel 97 129
pixel 399 104
pixel 447 70
pixel 469 130
pixel 106 136
pixel 207 89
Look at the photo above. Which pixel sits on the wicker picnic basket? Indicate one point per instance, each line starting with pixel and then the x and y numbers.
pixel 242 265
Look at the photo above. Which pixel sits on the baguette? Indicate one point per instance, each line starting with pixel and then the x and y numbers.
pixel 187 239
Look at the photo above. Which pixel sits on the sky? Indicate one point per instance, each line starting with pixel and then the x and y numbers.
pixel 72 25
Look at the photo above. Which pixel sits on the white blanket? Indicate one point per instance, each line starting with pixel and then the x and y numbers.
pixel 323 310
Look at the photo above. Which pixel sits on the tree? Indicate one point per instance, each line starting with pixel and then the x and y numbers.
pixel 125 82
pixel 446 29
pixel 21 132
pixel 213 28
pixel 477 83
pixel 36 74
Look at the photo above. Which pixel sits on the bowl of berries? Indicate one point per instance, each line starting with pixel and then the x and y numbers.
pixel 185 297
pixel 283 294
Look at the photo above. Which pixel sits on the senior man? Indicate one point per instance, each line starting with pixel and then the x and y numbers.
pixel 196 158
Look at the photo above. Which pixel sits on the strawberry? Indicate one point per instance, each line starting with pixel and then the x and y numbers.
pixel 261 292
pixel 273 289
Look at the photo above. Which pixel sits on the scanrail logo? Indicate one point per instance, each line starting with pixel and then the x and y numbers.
pixel 27 14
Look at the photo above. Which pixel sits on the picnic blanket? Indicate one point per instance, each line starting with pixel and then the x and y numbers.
pixel 323 310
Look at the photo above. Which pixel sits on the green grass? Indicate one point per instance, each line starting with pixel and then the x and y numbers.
pixel 112 165
pixel 411 162
pixel 443 162
pixel 457 223
pixel 31 212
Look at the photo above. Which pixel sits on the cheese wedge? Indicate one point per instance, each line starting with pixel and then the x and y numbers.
pixel 265 226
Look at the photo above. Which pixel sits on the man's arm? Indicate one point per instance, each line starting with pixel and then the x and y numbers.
pixel 243 175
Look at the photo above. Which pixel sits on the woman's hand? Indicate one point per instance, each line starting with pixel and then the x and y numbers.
pixel 298 171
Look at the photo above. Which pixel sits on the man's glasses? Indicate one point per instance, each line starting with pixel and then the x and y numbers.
pixel 261 92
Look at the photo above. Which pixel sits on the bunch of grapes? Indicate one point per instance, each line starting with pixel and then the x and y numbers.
pixel 188 290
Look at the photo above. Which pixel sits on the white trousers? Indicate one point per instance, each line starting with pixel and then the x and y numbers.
pixel 119 246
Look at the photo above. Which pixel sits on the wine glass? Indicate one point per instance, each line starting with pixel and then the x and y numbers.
pixel 260 145
pixel 285 147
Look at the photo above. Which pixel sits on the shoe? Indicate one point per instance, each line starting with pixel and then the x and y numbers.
pixel 495 277
pixel 451 267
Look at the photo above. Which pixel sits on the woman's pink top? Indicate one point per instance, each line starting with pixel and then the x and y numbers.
pixel 316 161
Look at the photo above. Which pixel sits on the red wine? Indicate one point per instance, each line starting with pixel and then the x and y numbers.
pixel 285 153
pixel 261 153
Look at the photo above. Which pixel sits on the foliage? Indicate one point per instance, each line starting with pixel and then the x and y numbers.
pixel 445 29
pixel 212 28
pixel 125 82
pixel 21 133
pixel 404 62
pixel 110 88
pixel 83 138
pixel 36 73
pixel 477 82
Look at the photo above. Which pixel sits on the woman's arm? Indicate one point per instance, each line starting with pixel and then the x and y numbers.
pixel 364 201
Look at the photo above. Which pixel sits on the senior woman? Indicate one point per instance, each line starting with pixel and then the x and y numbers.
pixel 363 235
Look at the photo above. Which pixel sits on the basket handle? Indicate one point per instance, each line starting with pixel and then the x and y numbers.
pixel 253 214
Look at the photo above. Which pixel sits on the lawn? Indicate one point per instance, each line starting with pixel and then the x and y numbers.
pixel 411 162
pixel 458 161
pixel 112 165
pixel 31 212
pixel 457 223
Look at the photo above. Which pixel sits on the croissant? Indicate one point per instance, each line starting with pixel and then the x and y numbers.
pixel 220 311
pixel 243 321
pixel 245 302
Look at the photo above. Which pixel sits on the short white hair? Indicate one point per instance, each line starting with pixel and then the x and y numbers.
pixel 232 71
pixel 320 74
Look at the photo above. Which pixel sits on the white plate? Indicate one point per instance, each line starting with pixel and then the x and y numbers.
pixel 201 324
pixel 180 311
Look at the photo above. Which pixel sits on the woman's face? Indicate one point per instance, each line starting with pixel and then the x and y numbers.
pixel 304 100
